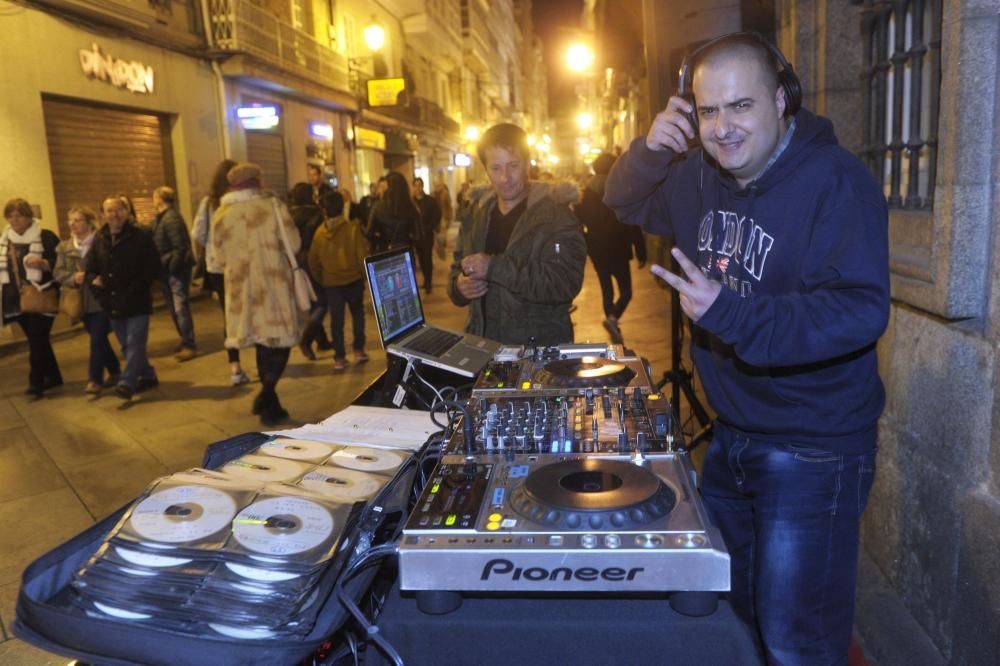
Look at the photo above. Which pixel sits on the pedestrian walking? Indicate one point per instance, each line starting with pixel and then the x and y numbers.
pixel 308 217
pixel 27 257
pixel 247 248
pixel 337 259
pixel 215 282
pixel 173 242
pixel 120 269
pixel 426 230
pixel 394 217
pixel 69 272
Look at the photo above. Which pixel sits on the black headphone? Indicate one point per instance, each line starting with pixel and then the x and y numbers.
pixel 786 75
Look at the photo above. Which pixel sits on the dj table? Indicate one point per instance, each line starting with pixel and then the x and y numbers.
pixel 562 630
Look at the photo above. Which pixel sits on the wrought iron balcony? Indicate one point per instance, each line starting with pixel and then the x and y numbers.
pixel 239 26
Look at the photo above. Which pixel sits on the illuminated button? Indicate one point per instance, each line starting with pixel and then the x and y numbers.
pixel 588 541
pixel 436 487
pixel 612 541
pixel 450 520
pixel 653 396
pixel 499 384
pixel 493 525
pixel 526 385
pixel 556 540
pixel 495 517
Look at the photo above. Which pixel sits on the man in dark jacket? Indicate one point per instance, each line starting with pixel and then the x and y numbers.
pixel 430 220
pixel 173 242
pixel 120 268
pixel 609 244
pixel 520 259
pixel 782 237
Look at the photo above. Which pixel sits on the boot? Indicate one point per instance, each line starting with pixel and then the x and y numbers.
pixel 272 413
pixel 322 342
pixel 308 335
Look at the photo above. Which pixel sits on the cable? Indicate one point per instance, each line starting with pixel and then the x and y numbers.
pixel 416 373
pixel 371 630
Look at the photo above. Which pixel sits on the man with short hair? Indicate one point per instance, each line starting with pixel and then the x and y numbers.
pixel 173 242
pixel 317 180
pixel 782 237
pixel 120 269
pixel 520 258
pixel 430 219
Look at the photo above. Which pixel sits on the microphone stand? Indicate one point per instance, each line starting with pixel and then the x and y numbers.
pixel 680 378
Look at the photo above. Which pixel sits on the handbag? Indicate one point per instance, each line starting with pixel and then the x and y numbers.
pixel 35 299
pixel 304 294
pixel 71 303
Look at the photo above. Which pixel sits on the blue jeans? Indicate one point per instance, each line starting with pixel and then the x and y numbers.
pixel 176 294
pixel 102 356
pixel 789 515
pixel 353 296
pixel 133 333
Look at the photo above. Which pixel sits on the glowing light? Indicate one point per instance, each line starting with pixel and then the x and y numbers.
pixel 472 133
pixel 584 148
pixel 532 140
pixel 579 57
pixel 321 131
pixel 374 37
pixel 584 120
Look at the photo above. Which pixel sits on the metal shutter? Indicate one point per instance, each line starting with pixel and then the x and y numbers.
pixel 268 152
pixel 98 151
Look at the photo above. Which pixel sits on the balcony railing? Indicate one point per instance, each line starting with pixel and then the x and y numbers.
pixel 424 112
pixel 241 27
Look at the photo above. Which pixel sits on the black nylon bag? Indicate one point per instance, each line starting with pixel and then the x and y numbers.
pixel 41 620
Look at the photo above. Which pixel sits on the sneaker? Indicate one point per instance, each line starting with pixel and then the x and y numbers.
pixel 360 356
pixel 185 354
pixel 339 364
pixel 239 378
pixel 93 388
pixel 123 391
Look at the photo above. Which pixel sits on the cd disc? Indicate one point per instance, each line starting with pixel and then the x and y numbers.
pixel 365 459
pixel 265 468
pixel 282 526
pixel 255 573
pixel 148 559
pixel 182 513
pixel 296 449
pixel 120 612
pixel 345 485
pixel 241 632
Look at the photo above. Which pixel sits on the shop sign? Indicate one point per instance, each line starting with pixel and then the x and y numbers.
pixel 258 117
pixel 366 138
pixel 131 75
pixel 385 92
pixel 463 160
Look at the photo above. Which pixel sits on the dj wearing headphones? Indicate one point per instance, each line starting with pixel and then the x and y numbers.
pixel 782 240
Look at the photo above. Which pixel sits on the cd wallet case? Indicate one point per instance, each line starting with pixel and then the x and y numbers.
pixel 44 621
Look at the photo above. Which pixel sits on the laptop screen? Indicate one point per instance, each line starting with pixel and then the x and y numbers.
pixel 392 280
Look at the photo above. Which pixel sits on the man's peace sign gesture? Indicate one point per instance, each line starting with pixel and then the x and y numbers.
pixel 697 292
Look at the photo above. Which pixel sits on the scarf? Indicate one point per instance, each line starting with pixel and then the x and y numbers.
pixel 83 246
pixel 31 237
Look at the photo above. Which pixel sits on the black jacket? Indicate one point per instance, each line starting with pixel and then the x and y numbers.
pixel 173 242
pixel 430 219
pixel 127 264
pixel 385 230
pixel 307 219
pixel 609 242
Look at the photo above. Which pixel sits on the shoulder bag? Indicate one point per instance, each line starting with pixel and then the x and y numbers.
pixel 304 294
pixel 35 299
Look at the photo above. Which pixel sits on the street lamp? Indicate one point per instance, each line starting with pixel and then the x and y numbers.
pixel 471 133
pixel 584 120
pixel 374 35
pixel 579 57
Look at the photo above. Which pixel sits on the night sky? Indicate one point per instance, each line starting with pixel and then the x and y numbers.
pixel 555 22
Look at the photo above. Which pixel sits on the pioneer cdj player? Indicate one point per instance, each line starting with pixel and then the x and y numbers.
pixel 575 480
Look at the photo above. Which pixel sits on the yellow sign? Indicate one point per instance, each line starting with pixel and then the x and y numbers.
pixel 385 92
pixel 366 138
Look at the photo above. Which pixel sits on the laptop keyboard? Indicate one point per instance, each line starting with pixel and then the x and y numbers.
pixel 433 341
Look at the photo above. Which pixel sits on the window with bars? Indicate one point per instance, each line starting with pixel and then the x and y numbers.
pixel 901 84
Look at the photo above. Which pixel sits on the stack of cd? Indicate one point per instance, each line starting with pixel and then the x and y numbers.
pixel 335 472
pixel 210 554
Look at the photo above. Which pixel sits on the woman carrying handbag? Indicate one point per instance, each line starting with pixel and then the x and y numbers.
pixel 27 256
pixel 70 274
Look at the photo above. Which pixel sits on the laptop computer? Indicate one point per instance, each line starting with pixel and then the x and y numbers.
pixel 399 312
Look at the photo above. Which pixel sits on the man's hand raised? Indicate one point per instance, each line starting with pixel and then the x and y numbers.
pixel 697 292
pixel 671 129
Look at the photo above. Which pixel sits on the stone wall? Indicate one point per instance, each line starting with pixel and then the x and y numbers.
pixel 933 522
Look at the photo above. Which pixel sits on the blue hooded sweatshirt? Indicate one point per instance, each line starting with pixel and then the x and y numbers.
pixel 787 350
